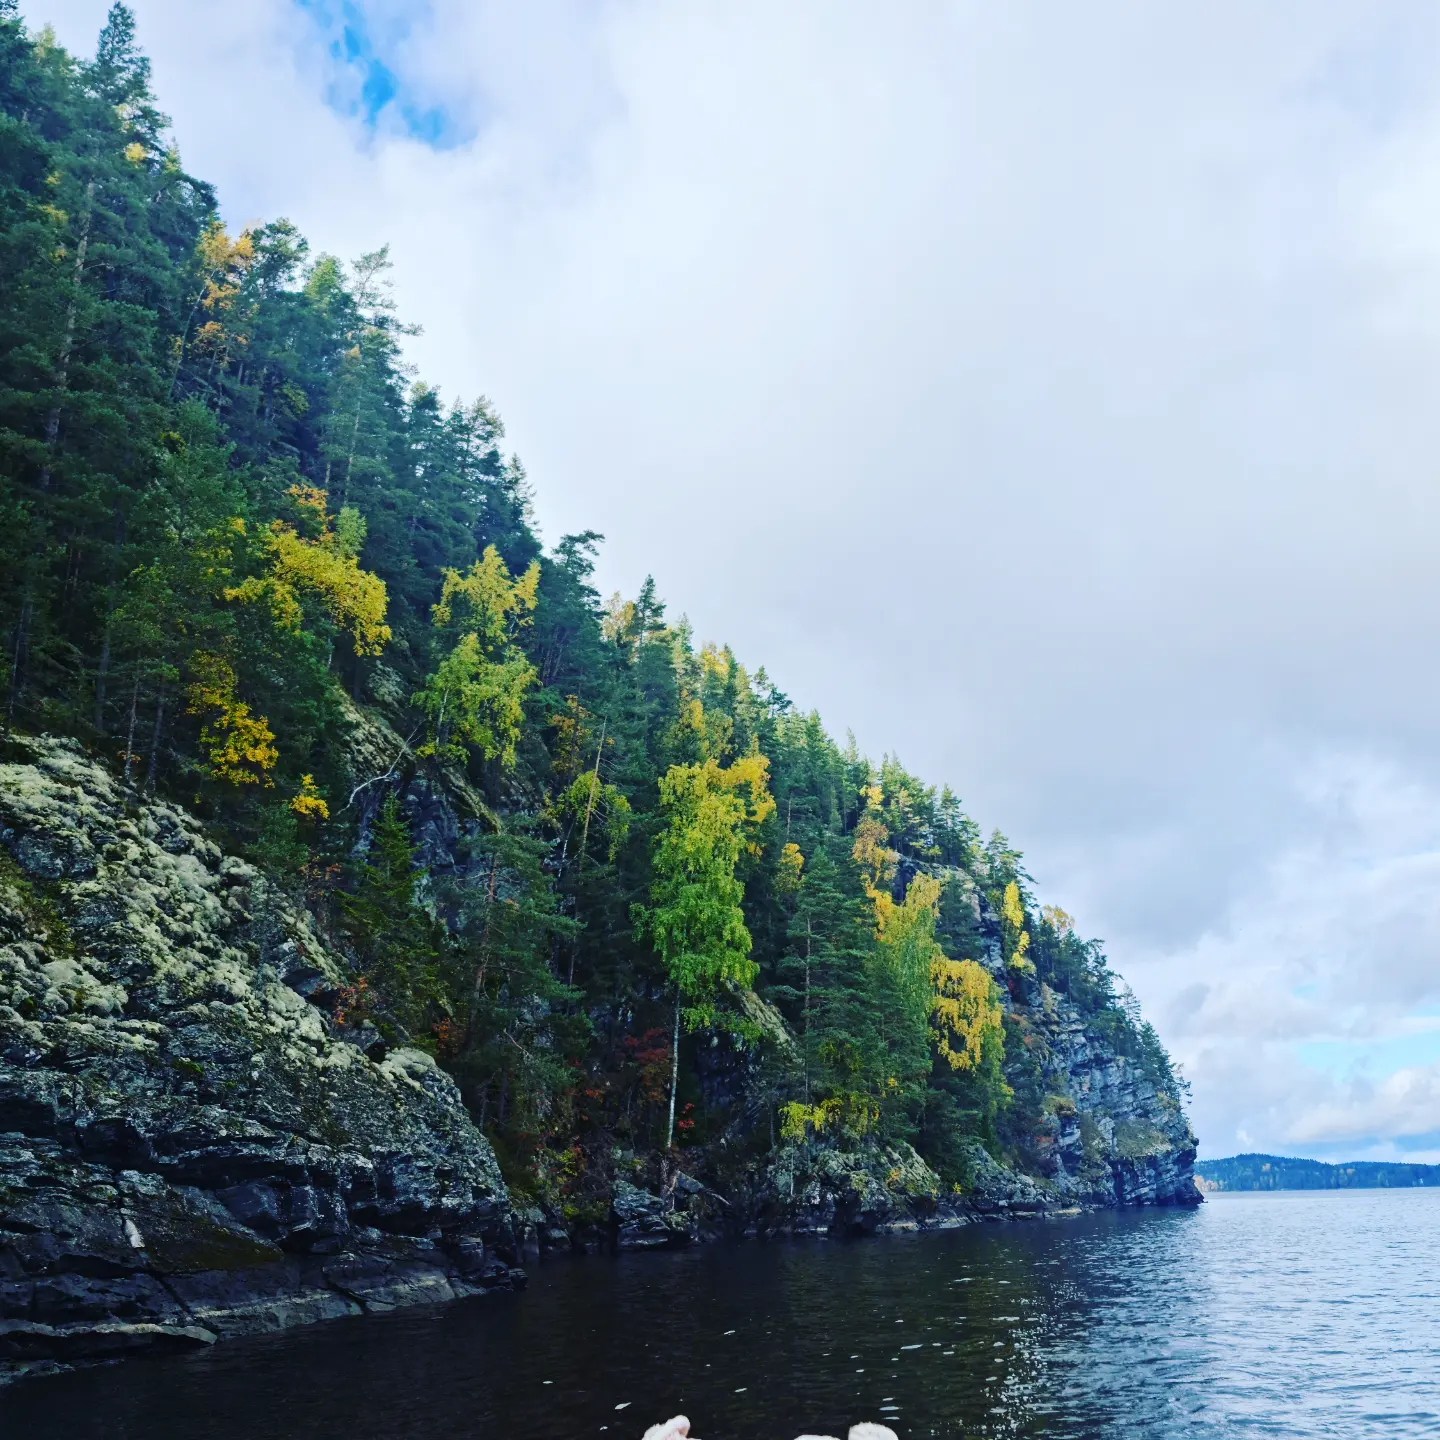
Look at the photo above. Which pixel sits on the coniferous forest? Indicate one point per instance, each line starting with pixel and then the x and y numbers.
pixel 566 846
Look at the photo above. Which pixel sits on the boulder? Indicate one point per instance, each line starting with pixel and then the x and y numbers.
pixel 190 1147
pixel 642 1221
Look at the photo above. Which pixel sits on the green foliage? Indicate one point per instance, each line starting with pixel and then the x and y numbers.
pixel 476 694
pixel 231 517
pixel 695 917
pixel 512 1032
pixel 398 943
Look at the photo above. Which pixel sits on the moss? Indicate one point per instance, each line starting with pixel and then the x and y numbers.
pixel 1092 1141
pixel 38 908
pixel 183 1243
pixel 586 1214
pixel 1135 1139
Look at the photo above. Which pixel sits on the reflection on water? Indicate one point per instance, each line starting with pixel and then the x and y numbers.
pixel 1291 1314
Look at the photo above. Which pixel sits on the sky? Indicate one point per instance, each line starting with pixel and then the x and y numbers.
pixel 1048 394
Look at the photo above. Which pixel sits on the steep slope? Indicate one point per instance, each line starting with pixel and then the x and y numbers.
pixel 1110 1134
pixel 694 967
pixel 193 1145
pixel 190 1149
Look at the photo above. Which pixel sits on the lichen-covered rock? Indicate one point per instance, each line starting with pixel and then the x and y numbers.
pixel 867 1188
pixel 994 1191
pixel 642 1221
pixel 1115 1137
pixel 187 1149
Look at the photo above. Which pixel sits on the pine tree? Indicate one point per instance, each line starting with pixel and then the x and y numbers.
pixel 397 942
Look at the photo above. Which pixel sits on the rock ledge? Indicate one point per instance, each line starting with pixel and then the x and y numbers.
pixel 188 1149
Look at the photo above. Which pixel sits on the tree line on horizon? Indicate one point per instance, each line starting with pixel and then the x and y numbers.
pixel 235 524
pixel 1288 1172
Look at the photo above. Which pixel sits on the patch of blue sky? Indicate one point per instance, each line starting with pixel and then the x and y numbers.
pixel 1417 1044
pixel 1381 76
pixel 367 82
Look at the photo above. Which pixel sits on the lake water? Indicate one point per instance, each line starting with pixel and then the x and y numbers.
pixel 1298 1314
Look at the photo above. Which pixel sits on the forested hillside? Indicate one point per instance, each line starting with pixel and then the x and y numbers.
pixel 583 857
pixel 1280 1172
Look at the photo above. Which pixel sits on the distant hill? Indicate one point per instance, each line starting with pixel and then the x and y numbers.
pixel 1280 1172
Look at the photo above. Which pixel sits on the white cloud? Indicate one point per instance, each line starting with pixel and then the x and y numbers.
pixel 1045 392
pixel 1403 1106
pixel 1323 970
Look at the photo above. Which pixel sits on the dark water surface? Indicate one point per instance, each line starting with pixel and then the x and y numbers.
pixel 1302 1314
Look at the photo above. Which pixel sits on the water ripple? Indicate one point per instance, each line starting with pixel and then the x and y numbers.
pixel 1297 1315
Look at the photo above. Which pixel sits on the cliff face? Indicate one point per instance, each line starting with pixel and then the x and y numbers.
pixel 1113 1136
pixel 1110 1134
pixel 190 1147
pixel 187 1147
pixel 1110 1137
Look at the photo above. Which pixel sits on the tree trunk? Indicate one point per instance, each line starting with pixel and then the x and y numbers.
pixel 153 767
pixel 22 639
pixel 805 1018
pixel 130 733
pixel 590 803
pixel 62 377
pixel 480 969
pixel 350 458
pixel 674 1074
pixel 101 671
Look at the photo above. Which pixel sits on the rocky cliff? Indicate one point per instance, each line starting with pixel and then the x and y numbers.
pixel 1111 1133
pixel 188 1147
pixel 192 1146
pixel 1111 1138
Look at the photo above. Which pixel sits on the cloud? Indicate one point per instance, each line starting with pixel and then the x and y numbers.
pixel 1404 1107
pixel 1045 393
pixel 1310 1016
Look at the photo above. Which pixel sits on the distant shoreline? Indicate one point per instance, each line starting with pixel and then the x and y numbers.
pixel 1241 1173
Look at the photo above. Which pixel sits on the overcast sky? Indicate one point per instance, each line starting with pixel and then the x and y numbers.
pixel 1048 393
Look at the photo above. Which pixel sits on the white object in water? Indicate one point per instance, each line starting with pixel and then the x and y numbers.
pixel 677 1428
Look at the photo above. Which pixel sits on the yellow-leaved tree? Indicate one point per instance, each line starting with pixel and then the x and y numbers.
pixel 1012 912
pixel 954 1003
pixel 695 920
pixel 789 869
pixel 965 1015
pixel 239 746
pixel 307 802
pixel 906 933
pixel 476 695
pixel 872 853
pixel 319 561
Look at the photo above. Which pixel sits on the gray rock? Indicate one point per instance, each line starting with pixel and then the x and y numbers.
pixel 641 1221
pixel 190 1147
